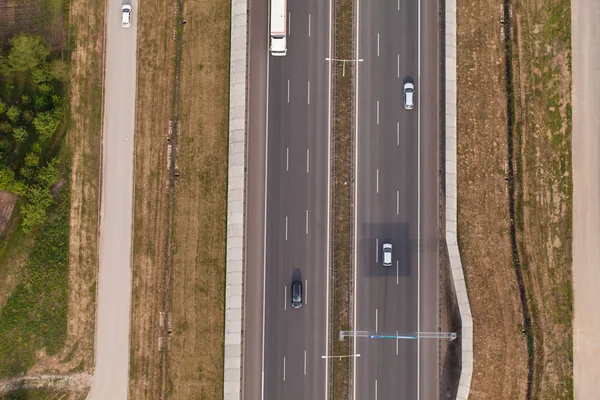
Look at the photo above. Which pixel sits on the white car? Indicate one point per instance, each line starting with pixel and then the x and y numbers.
pixel 126 16
pixel 409 96
pixel 387 254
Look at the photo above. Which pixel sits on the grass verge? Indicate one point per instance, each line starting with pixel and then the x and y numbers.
pixel 343 199
pixel 542 83
pixel 192 332
pixel 156 28
pixel 197 295
pixel 540 52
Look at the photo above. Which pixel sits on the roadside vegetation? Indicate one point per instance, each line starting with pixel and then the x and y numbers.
pixel 519 284
pixel 48 278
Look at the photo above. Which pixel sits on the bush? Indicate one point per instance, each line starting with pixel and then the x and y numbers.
pixel 35 211
pixel 59 70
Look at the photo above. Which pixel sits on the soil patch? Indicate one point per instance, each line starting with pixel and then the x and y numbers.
pixel 7 205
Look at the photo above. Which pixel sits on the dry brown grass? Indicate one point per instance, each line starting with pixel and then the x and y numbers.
pixel 153 112
pixel 196 296
pixel 82 143
pixel 500 352
pixel 197 305
pixel 541 83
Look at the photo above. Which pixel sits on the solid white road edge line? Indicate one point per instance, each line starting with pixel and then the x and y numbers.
pixel 356 147
pixel 419 203
pixel 262 383
pixel 328 209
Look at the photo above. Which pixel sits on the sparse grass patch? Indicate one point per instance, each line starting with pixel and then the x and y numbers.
pixel 543 94
pixel 342 194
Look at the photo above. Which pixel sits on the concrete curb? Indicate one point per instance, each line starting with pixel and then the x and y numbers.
pixel 458 277
pixel 232 378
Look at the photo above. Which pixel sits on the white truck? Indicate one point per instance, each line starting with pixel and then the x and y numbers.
pixel 278 45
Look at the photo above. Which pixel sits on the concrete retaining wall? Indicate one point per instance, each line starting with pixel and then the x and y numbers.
pixel 235 201
pixel 451 205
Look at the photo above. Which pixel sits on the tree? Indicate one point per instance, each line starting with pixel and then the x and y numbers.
pixel 13 113
pixel 45 124
pixel 3 107
pixel 50 174
pixel 27 52
pixel 5 147
pixel 32 160
pixel 9 183
pixel 5 127
pixel 20 134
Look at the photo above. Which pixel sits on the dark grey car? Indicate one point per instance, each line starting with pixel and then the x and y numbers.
pixel 297 294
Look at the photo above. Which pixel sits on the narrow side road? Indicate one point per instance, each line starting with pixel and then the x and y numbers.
pixel 585 33
pixel 111 375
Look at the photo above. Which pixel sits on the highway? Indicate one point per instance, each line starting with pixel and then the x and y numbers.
pixel 287 208
pixel 396 198
pixel 111 374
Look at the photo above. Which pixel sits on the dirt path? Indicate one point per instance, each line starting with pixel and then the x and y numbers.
pixel 586 196
pixel 76 383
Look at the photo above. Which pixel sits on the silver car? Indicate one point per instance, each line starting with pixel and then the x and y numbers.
pixel 409 96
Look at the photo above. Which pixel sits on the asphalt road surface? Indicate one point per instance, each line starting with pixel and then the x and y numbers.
pixel 289 116
pixel 111 374
pixel 397 199
pixel 586 196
